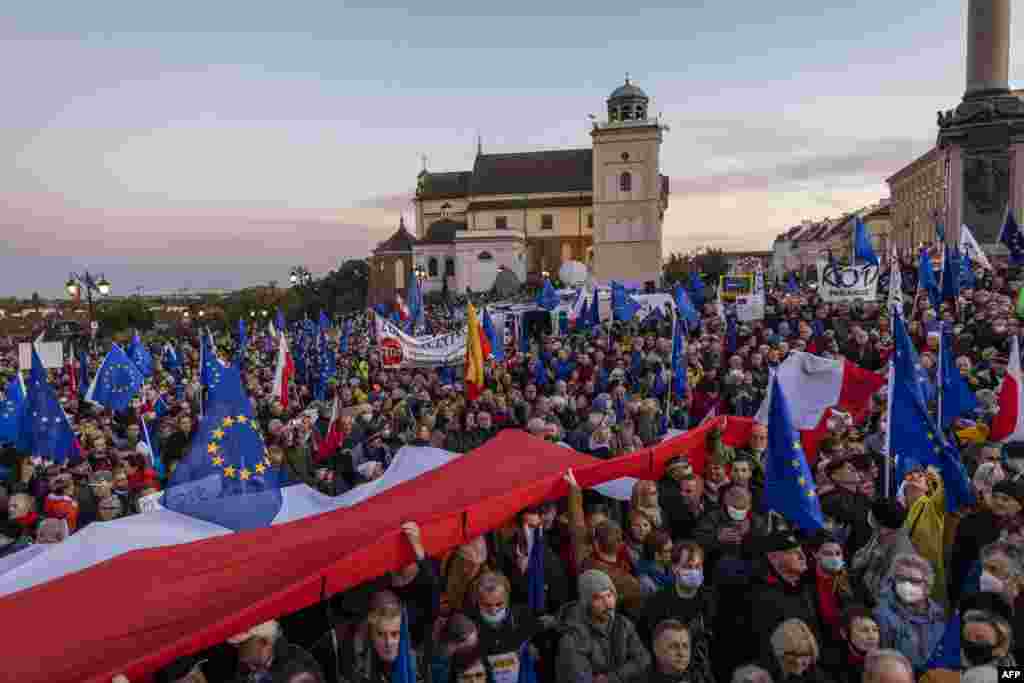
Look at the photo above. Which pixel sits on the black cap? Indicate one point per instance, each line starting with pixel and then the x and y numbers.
pixel 993 603
pixel 1012 488
pixel 888 513
pixel 458 628
pixel 778 541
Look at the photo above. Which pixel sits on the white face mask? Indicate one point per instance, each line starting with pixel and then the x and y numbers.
pixel 496 617
pixel 990 583
pixel 909 593
pixel 735 514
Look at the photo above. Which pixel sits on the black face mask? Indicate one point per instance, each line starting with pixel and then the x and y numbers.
pixel 978 654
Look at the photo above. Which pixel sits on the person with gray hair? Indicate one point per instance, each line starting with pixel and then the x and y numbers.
pixel 908 620
pixel 751 673
pixel 888 666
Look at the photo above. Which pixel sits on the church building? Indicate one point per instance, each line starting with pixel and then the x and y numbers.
pixel 530 212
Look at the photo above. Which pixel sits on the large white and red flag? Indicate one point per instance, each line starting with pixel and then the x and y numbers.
pixel 1008 424
pixel 283 371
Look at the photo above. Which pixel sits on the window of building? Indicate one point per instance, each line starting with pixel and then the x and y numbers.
pixel 432 267
pixel 501 223
pixel 547 222
pixel 399 274
pixel 445 209
pixel 590 221
pixel 485 256
pixel 449 267
pixel 625 182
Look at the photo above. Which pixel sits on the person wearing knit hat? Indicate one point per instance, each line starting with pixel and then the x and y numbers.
pixel 846 504
pixel 599 644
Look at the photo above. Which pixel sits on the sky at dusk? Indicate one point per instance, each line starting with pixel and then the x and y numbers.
pixel 218 144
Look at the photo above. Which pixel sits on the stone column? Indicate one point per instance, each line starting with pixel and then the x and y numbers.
pixel 954 217
pixel 1017 178
pixel 988 47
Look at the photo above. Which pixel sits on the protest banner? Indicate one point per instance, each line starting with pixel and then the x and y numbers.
pixel 839 283
pixel 400 350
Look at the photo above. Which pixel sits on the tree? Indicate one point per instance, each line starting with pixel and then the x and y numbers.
pixel 676 269
pixel 126 314
pixel 37 301
pixel 713 264
pixel 344 290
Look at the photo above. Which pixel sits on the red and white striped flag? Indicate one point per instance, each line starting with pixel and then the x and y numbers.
pixel 283 371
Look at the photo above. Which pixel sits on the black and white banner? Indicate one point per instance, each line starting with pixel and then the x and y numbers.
pixel 847 283
pixel 399 350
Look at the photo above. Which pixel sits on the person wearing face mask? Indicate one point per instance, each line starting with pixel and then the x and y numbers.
pixel 726 533
pixel 687 600
pixel 833 587
pixel 846 503
pixel 979 529
pixel 986 634
pixel 910 621
pixel 504 628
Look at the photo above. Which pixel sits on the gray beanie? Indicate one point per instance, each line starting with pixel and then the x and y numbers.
pixel 591 582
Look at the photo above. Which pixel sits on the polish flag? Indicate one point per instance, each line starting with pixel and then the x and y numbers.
pixel 1008 424
pixel 813 385
pixel 403 310
pixel 283 372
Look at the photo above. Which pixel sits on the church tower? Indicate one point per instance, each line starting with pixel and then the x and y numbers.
pixel 630 194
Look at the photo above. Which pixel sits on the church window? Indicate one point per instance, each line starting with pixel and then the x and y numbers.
pixel 432 267
pixel 547 222
pixel 625 182
pixel 449 267
pixel 501 223
pixel 590 221
pixel 445 209
pixel 485 256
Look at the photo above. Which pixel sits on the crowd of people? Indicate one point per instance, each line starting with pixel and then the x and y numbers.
pixel 690 581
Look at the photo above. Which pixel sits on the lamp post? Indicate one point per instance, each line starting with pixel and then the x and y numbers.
pixel 87 281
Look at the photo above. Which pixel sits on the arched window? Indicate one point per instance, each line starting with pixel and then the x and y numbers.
pixel 625 182
pixel 432 267
pixel 445 209
pixel 449 267
pixel 399 274
pixel 485 256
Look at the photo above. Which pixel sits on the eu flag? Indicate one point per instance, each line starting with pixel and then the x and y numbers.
pixel 153 446
pixel 280 323
pixel 497 343
pixel 83 372
pixel 210 367
pixel 171 362
pixel 679 360
pixel 44 430
pixel 404 668
pixel 697 289
pixel 624 307
pixel 967 279
pixel 595 310
pixel 914 440
pixel 926 279
pixel 788 484
pixel 10 411
pixel 139 354
pixel 226 478
pixel 548 298
pixel 117 381
pixel 346 332
pixel 957 398
pixel 862 248
pixel 684 308
pixel 791 286
pixel 1011 236
pixel 583 319
pixel 327 366
pixel 951 274
pixel 535 575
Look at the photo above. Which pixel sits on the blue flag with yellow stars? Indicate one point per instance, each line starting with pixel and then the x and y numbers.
pixel 914 439
pixel 788 484
pixel 210 367
pixel 227 478
pixel 10 411
pixel 44 430
pixel 141 356
pixel 117 381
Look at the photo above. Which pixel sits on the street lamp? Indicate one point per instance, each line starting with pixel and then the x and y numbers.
pixel 301 277
pixel 87 281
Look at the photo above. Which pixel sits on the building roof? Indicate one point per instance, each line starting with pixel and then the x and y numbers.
pixel 443 185
pixel 627 90
pixel 928 157
pixel 560 170
pixel 401 240
pixel 442 232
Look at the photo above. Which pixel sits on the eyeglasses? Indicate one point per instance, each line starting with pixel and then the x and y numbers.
pixel 909 579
